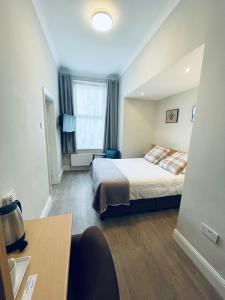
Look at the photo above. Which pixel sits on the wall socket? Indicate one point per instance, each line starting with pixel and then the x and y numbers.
pixel 209 232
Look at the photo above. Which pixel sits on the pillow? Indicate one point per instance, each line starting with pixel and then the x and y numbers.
pixel 175 163
pixel 157 154
pixel 184 170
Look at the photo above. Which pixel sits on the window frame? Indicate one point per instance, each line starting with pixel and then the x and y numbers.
pixel 89 82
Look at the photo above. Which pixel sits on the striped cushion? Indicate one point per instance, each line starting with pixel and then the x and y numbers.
pixel 156 154
pixel 174 163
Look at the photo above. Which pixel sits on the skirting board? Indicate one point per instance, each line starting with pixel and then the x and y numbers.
pixel 201 263
pixel 47 208
pixel 61 174
pixel 66 168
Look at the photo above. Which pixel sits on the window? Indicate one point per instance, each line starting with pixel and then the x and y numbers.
pixel 89 109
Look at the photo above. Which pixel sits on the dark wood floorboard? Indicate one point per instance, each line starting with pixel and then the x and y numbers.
pixel 149 264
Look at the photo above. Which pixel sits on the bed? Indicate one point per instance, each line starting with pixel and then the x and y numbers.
pixel 125 186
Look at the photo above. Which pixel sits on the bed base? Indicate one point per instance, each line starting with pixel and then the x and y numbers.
pixel 141 206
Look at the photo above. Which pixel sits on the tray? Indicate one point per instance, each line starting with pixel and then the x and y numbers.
pixel 21 266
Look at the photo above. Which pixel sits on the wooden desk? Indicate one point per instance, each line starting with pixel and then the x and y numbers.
pixel 49 247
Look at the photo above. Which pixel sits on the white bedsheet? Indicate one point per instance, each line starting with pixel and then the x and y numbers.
pixel 148 180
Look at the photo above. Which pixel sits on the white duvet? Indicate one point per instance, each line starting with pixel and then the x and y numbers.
pixel 148 180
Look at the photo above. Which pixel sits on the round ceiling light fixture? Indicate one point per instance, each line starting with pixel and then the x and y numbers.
pixel 101 21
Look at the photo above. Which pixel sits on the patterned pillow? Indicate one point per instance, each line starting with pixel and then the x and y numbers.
pixel 157 154
pixel 174 163
pixel 184 170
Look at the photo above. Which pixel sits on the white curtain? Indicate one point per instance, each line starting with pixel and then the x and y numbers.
pixel 90 110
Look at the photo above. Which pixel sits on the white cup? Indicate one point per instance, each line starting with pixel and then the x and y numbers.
pixel 12 270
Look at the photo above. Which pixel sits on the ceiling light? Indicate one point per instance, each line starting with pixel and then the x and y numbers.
pixel 101 21
pixel 188 69
pixel 142 93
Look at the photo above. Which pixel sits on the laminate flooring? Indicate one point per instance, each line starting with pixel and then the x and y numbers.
pixel 149 264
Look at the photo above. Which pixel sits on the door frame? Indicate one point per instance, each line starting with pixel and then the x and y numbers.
pixel 50 139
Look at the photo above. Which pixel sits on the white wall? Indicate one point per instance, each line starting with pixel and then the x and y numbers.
pixel 175 135
pixel 204 191
pixel 192 24
pixel 26 65
pixel 140 125
pixel 184 31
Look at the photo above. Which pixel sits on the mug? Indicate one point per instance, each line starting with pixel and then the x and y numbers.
pixel 12 270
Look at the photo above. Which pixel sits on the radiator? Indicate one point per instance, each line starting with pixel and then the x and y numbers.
pixel 81 159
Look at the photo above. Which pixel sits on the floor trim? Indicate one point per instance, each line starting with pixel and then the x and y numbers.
pixel 201 263
pixel 66 168
pixel 47 208
pixel 61 174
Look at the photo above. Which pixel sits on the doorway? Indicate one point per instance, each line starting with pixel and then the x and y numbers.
pixel 50 136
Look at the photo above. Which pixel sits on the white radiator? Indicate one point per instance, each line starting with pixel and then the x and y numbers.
pixel 81 159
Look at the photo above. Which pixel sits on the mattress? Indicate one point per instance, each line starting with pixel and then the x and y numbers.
pixel 147 180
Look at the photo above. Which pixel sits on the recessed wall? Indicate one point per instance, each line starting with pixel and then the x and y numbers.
pixel 144 123
pixel 139 126
pixel 175 135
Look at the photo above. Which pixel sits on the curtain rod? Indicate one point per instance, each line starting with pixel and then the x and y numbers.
pixel 94 79
pixel 90 82
pixel 79 77
pixel 82 78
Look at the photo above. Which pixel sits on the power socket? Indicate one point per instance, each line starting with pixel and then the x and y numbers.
pixel 209 232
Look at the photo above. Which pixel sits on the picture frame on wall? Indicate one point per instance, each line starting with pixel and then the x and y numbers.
pixel 172 115
pixel 193 113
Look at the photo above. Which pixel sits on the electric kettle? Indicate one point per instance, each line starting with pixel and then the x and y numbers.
pixel 13 228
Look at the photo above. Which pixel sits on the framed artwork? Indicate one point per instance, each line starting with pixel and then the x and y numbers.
pixel 172 115
pixel 193 113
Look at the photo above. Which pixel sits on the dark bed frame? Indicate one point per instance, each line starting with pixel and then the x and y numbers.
pixel 141 206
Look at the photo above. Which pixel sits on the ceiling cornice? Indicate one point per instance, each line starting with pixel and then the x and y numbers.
pixel 166 11
pixel 41 17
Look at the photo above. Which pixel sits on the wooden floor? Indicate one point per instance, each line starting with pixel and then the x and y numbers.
pixel 149 264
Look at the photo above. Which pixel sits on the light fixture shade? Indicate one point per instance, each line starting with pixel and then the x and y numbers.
pixel 101 21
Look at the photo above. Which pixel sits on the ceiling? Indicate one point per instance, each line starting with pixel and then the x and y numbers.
pixel 174 79
pixel 76 46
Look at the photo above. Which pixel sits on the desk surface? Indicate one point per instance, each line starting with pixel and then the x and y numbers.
pixel 49 247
